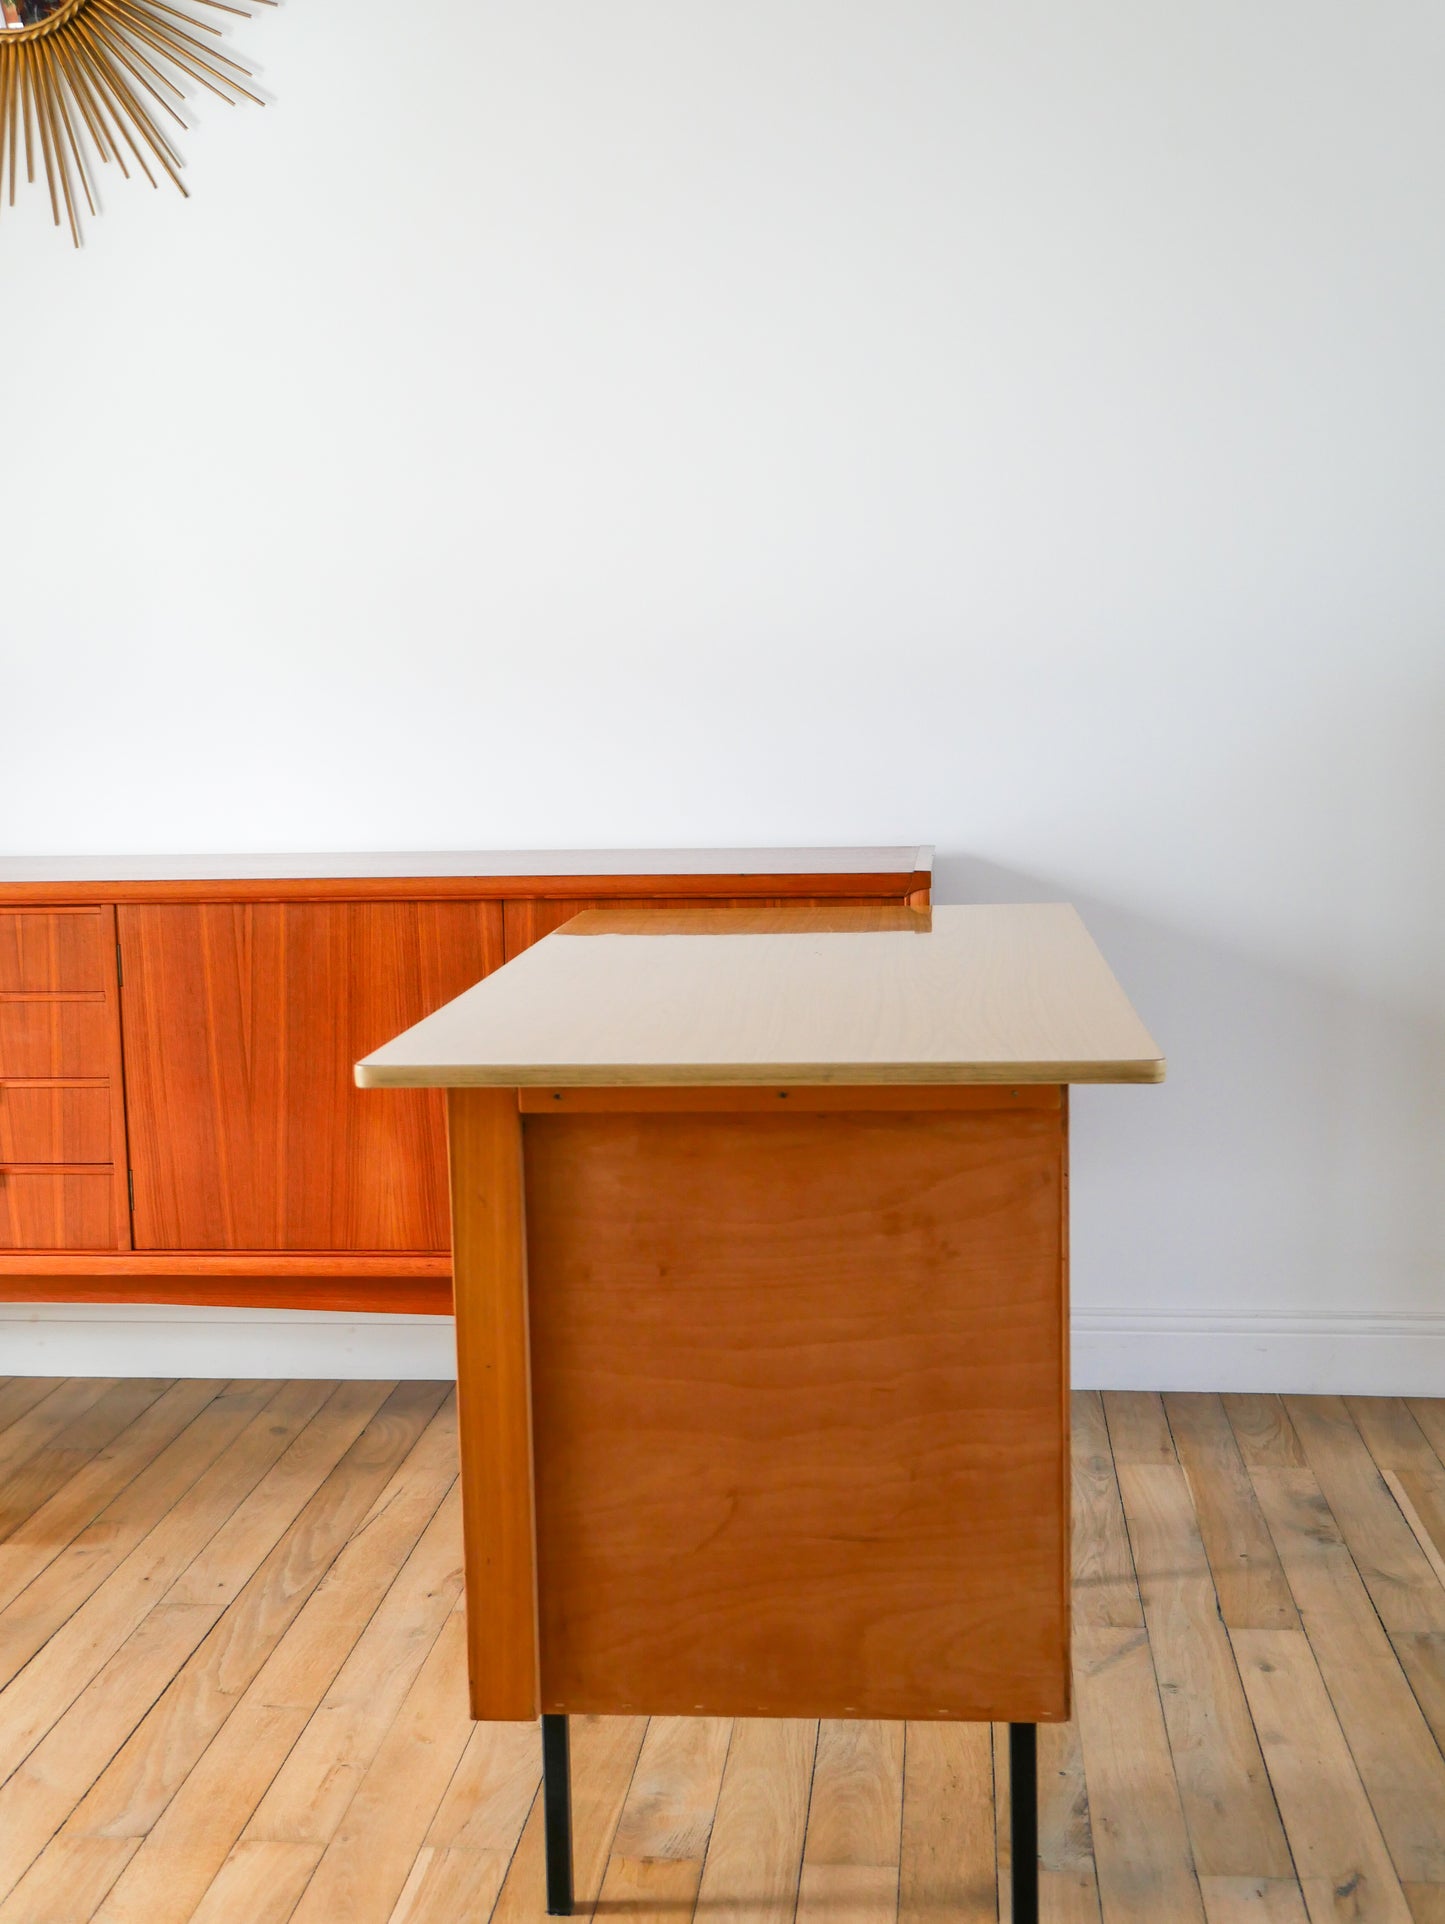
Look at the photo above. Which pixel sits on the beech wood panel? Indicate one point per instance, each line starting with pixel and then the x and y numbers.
pixel 494 1400
pixel 51 1035
pixel 797 1386
pixel 241 1024
pixel 54 949
pixel 50 1208
pixel 55 1121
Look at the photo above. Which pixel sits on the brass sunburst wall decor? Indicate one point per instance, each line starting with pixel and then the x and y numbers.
pixel 73 79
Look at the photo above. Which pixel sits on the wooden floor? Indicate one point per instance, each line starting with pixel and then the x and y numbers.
pixel 232 1656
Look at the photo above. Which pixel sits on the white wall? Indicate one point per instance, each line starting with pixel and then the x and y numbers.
pixel 1016 425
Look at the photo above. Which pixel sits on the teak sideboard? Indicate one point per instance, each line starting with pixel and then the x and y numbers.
pixel 178 1120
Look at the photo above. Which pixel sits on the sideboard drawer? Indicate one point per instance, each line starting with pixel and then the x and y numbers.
pixel 55 1122
pixel 53 949
pixel 48 1036
pixel 57 1208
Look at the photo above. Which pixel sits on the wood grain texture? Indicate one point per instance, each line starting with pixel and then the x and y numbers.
pixel 1398 1759
pixel 48 1207
pixel 756 1852
pixel 1145 1867
pixel 260 1279
pixel 1248 1580
pixel 1396 1571
pixel 948 1868
pixel 54 1036
pixel 53 949
pixel 1105 1588
pixel 998 994
pixel 55 1121
pixel 1263 1432
pixel 494 1394
pixel 1228 1807
pixel 364 1660
pixel 825 1354
pixel 241 1024
pixel 1340 1858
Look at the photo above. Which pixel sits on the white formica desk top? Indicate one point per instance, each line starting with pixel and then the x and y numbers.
pixel 736 996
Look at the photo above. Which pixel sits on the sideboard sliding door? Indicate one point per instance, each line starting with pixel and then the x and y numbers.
pixel 241 1022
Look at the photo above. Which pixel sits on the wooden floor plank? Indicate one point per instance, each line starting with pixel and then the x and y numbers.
pixel 192 1807
pixel 1138 1427
pixel 367 1863
pixel 855 1814
pixel 48 1419
pixel 672 1798
pixel 56 1647
pixel 261 1883
pixel 1397 1574
pixel 128 1798
pixel 1340 1857
pixel 1105 1591
pixel 1141 1847
pixel 461 1867
pixel 1422 1504
pixel 47 1531
pixel 604 1756
pixel 655 1867
pixel 21 1393
pixel 1393 1436
pixel 69 1881
pixel 1252 1900
pixel 1248 1581
pixel 72 1752
pixel 310 1793
pixel 756 1853
pixel 142 1541
pixel 1263 1431
pixel 1397 1757
pixel 1229 1810
pixel 1422 1658
pixel 948 1866
pixel 280 1733
pixel 25 1488
pixel 1429 1413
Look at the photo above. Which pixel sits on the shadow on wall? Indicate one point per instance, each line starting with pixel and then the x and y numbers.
pixel 1293 1163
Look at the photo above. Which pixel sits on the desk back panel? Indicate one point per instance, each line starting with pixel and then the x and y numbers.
pixel 798 1386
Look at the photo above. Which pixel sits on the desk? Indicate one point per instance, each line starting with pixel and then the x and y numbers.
pixel 760 1227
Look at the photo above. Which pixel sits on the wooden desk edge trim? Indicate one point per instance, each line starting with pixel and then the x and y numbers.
pixel 703 1075
pixel 494 1403
pixel 895 884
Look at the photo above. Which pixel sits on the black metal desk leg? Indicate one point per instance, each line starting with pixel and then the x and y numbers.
pixel 557 1815
pixel 1023 1777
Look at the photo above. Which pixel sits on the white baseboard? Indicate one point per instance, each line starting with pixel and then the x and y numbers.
pixel 167 1339
pixel 1348 1354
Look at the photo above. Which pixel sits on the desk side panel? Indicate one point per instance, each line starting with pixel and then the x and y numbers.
pixel 798 1390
